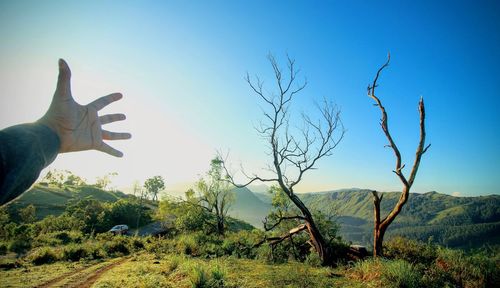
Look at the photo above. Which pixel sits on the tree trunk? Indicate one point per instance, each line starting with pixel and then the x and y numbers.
pixel 317 239
pixel 220 226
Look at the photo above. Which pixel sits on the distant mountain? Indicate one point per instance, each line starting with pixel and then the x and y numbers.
pixel 451 221
pixel 249 207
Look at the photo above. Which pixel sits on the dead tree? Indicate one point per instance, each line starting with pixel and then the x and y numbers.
pixel 294 152
pixel 381 225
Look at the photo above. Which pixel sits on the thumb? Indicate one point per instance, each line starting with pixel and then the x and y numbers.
pixel 63 88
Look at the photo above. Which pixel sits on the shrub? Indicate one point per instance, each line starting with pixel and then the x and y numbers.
pixel 186 244
pixel 386 273
pixel 58 238
pixel 43 255
pixel 313 260
pixel 19 246
pixel 74 252
pixel 173 263
pixel 3 248
pixel 117 246
pixel 399 273
pixel 94 250
pixel 466 271
pixel 199 277
pixel 410 250
pixel 217 277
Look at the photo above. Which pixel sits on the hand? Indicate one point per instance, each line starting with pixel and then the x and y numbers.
pixel 78 126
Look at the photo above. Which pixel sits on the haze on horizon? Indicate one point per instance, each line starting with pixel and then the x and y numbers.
pixel 181 68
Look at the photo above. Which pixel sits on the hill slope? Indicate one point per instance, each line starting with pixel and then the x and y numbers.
pixel 451 221
pixel 249 207
pixel 52 200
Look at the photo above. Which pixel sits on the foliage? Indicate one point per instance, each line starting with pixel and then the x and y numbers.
pixel 125 212
pixel 43 255
pixel 62 222
pixel 383 273
pixel 92 213
pixel 103 182
pixel 215 195
pixel 61 178
pixel 154 185
pixel 28 214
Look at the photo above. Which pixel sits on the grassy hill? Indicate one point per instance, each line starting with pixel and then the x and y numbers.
pixel 451 221
pixel 52 200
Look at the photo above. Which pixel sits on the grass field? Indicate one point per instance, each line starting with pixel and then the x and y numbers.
pixel 150 270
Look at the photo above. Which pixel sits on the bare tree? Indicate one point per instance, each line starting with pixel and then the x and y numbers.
pixel 294 151
pixel 381 225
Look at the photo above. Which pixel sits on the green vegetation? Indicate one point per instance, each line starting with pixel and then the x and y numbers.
pixel 449 221
pixel 72 246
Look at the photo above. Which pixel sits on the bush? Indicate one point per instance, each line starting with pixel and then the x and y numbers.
pixel 59 238
pixel 19 246
pixel 186 244
pixel 217 277
pixel 199 277
pixel 313 260
pixel 386 273
pixel 117 246
pixel 3 248
pixel 94 251
pixel 74 252
pixel 400 273
pixel 458 269
pixel 43 255
pixel 410 250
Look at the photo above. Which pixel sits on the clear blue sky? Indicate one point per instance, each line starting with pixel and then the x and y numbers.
pixel 180 66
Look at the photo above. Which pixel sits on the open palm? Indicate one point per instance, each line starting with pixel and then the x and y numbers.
pixel 79 126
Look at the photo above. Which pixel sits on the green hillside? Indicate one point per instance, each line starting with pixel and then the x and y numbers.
pixel 249 207
pixel 451 221
pixel 52 200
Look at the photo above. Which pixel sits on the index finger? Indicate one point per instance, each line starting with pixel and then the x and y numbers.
pixel 106 100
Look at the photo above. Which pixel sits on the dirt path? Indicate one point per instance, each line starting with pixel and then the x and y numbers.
pixel 97 274
pixel 83 277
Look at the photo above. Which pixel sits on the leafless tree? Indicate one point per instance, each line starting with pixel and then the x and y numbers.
pixel 381 225
pixel 294 152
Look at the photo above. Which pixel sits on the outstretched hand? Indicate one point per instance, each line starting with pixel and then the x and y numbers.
pixel 79 126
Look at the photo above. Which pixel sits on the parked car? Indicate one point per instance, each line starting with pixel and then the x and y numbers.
pixel 119 230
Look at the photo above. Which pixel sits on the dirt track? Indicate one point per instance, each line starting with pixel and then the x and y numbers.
pixel 83 277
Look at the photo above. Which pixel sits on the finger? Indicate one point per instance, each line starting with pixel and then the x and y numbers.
pixel 110 150
pixel 110 118
pixel 107 135
pixel 106 100
pixel 63 88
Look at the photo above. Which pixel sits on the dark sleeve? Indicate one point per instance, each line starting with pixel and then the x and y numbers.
pixel 24 151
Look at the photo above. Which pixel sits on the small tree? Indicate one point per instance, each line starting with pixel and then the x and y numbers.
pixel 215 194
pixel 61 178
pixel 28 214
pixel 154 185
pixel 381 225
pixel 104 181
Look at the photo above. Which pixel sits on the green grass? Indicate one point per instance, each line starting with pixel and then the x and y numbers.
pixel 32 276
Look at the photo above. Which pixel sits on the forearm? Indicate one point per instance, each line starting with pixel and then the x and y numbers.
pixel 24 151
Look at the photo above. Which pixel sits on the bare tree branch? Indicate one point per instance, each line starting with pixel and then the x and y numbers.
pixel 381 225
pixel 292 153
